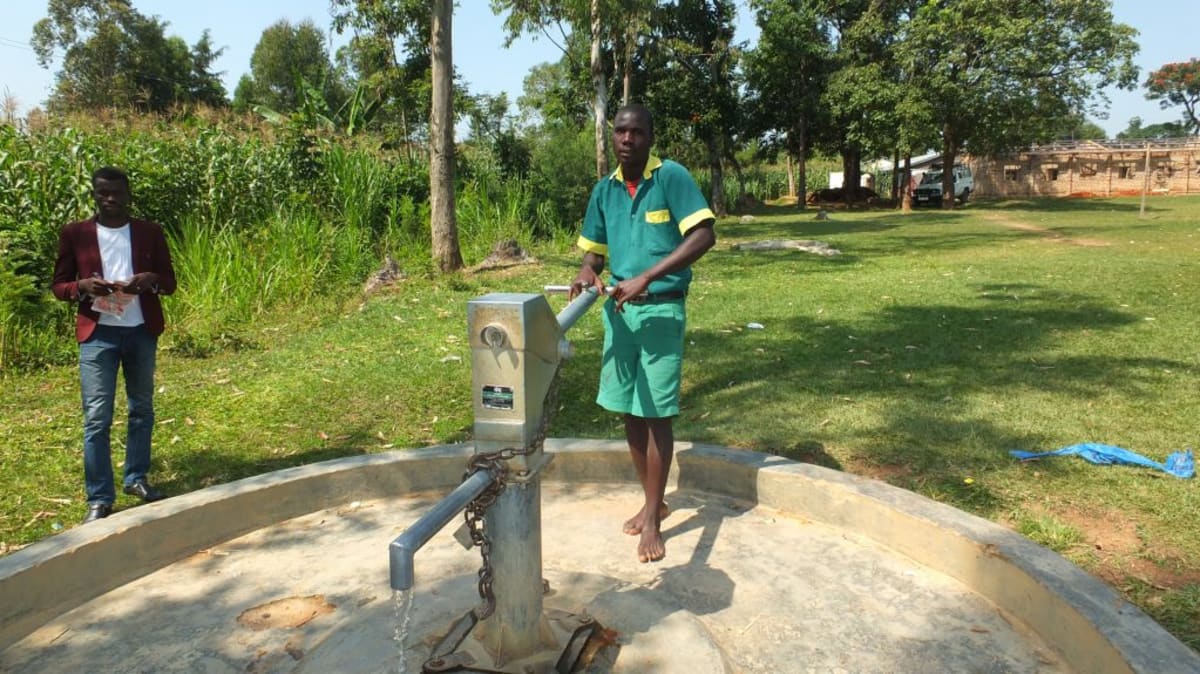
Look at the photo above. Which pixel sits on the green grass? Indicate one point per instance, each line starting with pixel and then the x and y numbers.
pixel 934 344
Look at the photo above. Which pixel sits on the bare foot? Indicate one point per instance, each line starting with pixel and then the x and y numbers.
pixel 651 547
pixel 633 525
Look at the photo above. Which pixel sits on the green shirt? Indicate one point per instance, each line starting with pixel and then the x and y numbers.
pixel 634 233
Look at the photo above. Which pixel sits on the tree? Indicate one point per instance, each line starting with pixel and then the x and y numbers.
pixel 1135 130
pixel 1002 75
pixel 868 95
pixel 584 17
pixel 692 80
pixel 113 56
pixel 614 28
pixel 555 94
pixel 204 85
pixel 286 57
pixel 1178 84
pixel 441 141
pixel 423 29
pixel 786 75
pixel 1079 127
pixel 389 54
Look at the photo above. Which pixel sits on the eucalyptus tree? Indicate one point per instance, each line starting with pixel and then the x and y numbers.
pixel 414 25
pixel 614 28
pixel 997 76
pixel 692 82
pixel 388 54
pixel 786 74
pixel 443 224
pixel 114 56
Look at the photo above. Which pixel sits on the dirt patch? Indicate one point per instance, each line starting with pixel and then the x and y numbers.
pixel 288 613
pixel 388 275
pixel 896 474
pixel 1048 235
pixel 1109 533
pixel 504 254
pixel 1121 553
pixel 804 245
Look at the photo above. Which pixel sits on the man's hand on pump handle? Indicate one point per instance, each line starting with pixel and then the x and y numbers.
pixel 622 292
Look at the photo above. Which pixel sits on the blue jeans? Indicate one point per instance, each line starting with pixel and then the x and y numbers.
pixel 132 350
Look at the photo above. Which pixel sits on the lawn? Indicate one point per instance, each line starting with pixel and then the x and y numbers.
pixel 933 344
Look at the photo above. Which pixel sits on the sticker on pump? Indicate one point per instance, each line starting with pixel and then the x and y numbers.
pixel 498 397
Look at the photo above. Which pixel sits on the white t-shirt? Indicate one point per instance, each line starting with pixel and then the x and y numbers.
pixel 116 254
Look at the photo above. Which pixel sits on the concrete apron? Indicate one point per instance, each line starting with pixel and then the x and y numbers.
pixel 771 566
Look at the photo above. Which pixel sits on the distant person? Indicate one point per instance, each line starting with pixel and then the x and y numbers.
pixel 115 267
pixel 651 222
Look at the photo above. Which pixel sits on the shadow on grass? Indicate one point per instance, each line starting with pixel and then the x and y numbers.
pixel 1071 205
pixel 915 371
pixel 211 466
pixel 865 234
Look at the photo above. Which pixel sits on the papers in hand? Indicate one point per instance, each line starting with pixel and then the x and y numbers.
pixel 114 304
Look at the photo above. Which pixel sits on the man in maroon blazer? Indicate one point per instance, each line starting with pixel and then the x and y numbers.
pixel 115 267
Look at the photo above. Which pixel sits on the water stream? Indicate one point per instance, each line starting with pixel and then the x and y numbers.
pixel 402 603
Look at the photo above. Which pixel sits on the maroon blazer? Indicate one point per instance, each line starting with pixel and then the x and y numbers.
pixel 79 257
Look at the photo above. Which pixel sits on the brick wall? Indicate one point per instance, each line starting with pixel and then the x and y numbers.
pixel 1090 168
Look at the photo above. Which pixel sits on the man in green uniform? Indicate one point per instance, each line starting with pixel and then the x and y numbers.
pixel 650 221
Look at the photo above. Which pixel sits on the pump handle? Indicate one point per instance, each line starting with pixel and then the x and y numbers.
pixel 566 289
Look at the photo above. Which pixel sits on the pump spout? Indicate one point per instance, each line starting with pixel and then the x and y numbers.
pixel 402 550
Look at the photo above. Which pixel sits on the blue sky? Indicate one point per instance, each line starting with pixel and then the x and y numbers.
pixel 1167 30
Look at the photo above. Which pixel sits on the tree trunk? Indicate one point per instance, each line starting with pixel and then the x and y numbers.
pixel 802 165
pixel 627 83
pixel 791 176
pixel 949 154
pixel 718 177
pixel 627 72
pixel 895 175
pixel 741 179
pixel 600 103
pixel 906 192
pixel 441 142
pixel 851 174
pixel 408 148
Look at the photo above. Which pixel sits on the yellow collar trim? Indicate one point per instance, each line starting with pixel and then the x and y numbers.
pixel 651 164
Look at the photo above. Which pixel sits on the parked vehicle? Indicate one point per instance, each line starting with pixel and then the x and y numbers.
pixel 929 190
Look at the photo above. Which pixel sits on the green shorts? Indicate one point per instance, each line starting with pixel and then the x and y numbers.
pixel 643 359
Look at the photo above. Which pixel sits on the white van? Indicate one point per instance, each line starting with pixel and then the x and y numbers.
pixel 929 190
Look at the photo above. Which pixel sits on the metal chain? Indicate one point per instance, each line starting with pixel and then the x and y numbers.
pixel 496 463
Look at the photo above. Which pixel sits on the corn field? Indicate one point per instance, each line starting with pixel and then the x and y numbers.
pixel 254 219
pixel 258 216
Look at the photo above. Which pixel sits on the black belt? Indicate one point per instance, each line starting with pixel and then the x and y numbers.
pixel 655 298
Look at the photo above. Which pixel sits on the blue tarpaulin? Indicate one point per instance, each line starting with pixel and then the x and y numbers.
pixel 1179 464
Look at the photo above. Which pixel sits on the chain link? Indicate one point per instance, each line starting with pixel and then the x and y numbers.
pixel 496 463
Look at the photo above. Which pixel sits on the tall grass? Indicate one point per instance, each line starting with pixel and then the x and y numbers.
pixel 491 210
pixel 256 217
pixel 766 182
pixel 232 276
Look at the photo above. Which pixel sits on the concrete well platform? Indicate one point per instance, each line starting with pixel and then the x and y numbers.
pixel 772 566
